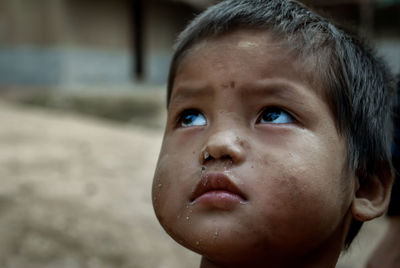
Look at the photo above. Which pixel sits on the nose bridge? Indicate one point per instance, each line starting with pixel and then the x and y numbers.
pixel 225 141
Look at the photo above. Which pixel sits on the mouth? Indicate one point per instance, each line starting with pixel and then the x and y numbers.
pixel 217 189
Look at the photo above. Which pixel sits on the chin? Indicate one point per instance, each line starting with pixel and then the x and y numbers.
pixel 222 246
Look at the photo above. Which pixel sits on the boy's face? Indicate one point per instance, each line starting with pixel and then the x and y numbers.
pixel 252 165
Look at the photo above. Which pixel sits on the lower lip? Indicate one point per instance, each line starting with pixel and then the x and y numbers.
pixel 219 199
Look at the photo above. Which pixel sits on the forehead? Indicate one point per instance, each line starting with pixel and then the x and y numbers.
pixel 257 46
pixel 243 55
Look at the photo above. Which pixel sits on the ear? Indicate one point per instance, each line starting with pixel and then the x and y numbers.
pixel 372 195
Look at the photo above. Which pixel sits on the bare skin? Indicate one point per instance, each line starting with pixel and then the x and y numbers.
pixel 387 254
pixel 252 171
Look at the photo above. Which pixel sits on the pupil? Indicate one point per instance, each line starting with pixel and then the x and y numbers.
pixel 188 119
pixel 272 116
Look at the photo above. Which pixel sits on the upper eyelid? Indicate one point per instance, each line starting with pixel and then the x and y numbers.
pixel 178 115
pixel 289 112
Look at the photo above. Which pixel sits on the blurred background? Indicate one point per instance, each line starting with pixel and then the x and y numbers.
pixel 82 92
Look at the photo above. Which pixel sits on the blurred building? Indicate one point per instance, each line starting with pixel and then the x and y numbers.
pixel 87 42
pixel 72 43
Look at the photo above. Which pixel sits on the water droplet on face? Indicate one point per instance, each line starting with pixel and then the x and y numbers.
pixel 197 242
pixel 159 185
pixel 203 170
pixel 187 218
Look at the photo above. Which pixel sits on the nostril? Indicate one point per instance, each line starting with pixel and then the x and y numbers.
pixel 227 157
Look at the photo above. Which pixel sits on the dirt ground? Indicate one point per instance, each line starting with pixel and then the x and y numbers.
pixel 76 193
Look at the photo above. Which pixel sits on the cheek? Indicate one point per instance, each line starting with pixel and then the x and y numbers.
pixel 166 179
pixel 172 187
pixel 294 213
pixel 165 207
pixel 302 191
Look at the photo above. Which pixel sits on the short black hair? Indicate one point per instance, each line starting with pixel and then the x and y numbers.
pixel 359 86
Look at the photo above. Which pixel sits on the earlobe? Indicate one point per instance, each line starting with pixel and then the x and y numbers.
pixel 373 194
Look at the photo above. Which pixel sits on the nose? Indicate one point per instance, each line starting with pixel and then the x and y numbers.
pixel 224 145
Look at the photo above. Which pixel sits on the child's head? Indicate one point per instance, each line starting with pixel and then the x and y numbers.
pixel 277 142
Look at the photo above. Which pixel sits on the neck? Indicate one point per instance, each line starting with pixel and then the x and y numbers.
pixel 326 260
pixel 325 255
pixel 206 263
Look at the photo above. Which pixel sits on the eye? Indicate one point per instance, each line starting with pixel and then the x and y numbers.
pixel 190 118
pixel 275 115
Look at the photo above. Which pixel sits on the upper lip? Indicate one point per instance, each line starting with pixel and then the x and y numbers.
pixel 215 182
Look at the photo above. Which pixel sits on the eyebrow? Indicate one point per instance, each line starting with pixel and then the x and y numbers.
pixel 191 91
pixel 277 89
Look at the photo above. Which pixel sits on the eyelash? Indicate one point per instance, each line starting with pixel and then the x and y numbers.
pixel 282 113
pixel 203 121
pixel 185 113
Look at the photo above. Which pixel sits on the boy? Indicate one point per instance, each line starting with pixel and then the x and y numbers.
pixel 277 144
